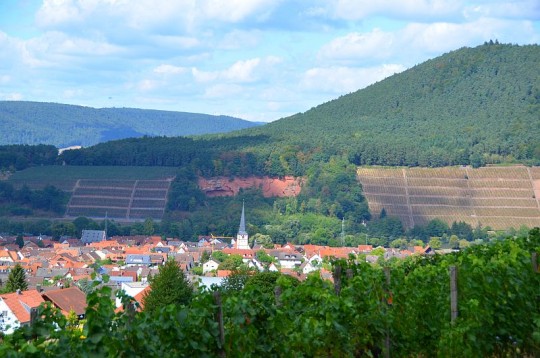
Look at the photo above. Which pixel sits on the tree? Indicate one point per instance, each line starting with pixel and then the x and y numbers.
pixel 19 241
pixel 453 242
pixel 149 227
pixel 435 243
pixel 232 262
pixel 205 256
pixel 16 279
pixel 236 280
pixel 169 286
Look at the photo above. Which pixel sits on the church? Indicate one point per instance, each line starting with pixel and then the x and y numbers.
pixel 242 238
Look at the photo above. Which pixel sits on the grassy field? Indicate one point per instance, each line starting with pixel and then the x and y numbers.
pixel 65 177
pixel 89 172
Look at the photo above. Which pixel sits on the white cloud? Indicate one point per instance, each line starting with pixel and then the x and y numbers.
pixel 418 41
pixel 54 12
pixel 14 96
pixel 170 70
pixel 181 15
pixel 238 39
pixel 224 91
pixel 356 47
pixel 242 71
pixel 345 79
pixel 401 9
pixel 525 9
pixel 237 10
pixel 179 42
pixel 72 93
pixel 147 85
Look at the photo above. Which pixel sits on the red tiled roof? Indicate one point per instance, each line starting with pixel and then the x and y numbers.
pixel 20 303
pixel 67 299
pixel 139 298
pixel 223 273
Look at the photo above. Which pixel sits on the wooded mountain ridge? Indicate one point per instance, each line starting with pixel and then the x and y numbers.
pixel 63 125
pixel 472 106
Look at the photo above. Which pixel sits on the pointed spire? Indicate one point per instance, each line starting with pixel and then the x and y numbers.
pixel 242 229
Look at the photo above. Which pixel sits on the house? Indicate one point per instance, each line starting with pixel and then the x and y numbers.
pixel 15 309
pixel 131 289
pixel 309 266
pixel 138 259
pixel 67 300
pixel 138 297
pixel 210 265
pixel 288 259
pixel 273 268
pixel 51 273
pixel 8 256
pixel 90 236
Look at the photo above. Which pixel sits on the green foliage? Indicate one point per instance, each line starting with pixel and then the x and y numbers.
pixel 18 157
pixel 236 280
pixel 169 286
pixel 49 198
pixel 497 317
pixel 16 279
pixel 231 262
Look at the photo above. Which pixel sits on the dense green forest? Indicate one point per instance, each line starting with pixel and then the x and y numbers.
pixel 20 202
pixel 18 157
pixel 399 308
pixel 472 106
pixel 65 125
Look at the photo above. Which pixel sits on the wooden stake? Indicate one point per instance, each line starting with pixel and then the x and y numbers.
pixel 387 338
pixel 453 293
pixel 277 294
pixel 219 319
pixel 337 279
pixel 33 315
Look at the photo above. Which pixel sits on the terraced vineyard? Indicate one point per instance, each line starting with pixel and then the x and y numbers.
pixel 121 199
pixel 128 193
pixel 499 197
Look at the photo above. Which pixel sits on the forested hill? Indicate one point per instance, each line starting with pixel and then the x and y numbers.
pixel 65 125
pixel 471 106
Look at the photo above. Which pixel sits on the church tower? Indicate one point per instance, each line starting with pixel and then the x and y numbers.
pixel 242 236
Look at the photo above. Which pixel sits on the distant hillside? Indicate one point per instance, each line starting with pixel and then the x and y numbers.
pixel 472 106
pixel 66 125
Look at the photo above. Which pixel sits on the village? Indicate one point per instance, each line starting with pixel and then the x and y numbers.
pixel 63 272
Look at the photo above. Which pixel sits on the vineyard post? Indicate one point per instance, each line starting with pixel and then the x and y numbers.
pixel 337 279
pixel 277 293
pixel 219 318
pixel 387 339
pixel 33 315
pixel 534 259
pixel 453 293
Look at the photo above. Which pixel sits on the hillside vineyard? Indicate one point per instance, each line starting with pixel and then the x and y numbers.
pixel 499 197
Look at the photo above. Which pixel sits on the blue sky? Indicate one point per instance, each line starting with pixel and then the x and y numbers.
pixel 259 60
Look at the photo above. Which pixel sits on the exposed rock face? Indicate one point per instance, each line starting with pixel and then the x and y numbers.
pixel 224 186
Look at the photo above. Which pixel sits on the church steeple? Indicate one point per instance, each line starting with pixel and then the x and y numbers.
pixel 242 238
pixel 242 228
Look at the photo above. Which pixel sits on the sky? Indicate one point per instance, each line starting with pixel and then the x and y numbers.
pixel 259 60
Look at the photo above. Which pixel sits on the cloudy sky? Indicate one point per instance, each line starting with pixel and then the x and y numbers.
pixel 255 59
